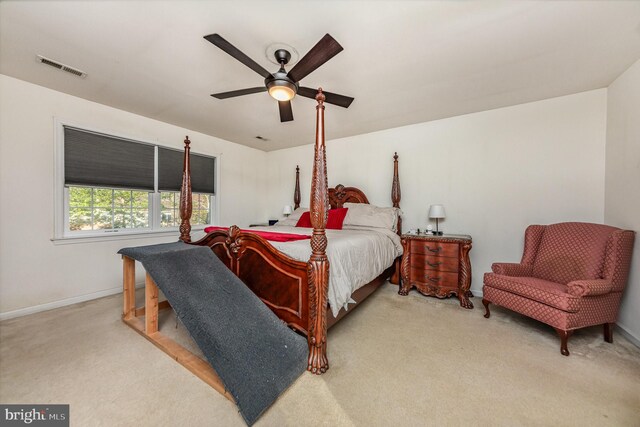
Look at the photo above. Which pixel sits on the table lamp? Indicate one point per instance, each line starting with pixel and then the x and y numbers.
pixel 287 210
pixel 437 212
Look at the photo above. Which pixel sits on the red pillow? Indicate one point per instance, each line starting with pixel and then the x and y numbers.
pixel 305 220
pixel 336 218
pixel 334 222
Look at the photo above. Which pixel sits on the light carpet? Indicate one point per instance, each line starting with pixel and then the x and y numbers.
pixel 407 361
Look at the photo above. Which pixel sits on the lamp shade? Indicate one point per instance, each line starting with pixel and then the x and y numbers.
pixel 287 210
pixel 436 211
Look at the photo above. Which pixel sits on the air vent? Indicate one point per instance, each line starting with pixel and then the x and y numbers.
pixel 53 64
pixel 261 138
pixel 60 66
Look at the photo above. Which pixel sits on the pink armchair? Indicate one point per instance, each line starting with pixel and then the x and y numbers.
pixel 571 276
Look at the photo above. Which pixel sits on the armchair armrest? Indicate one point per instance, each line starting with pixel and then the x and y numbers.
pixel 511 269
pixel 583 288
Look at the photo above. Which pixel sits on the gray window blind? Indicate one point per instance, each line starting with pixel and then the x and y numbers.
pixel 170 171
pixel 99 160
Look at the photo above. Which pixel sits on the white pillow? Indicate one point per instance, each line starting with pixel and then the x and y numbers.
pixel 365 215
pixel 292 219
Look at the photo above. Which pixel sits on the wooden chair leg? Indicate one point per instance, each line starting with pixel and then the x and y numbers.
pixel 564 337
pixel 608 332
pixel 486 303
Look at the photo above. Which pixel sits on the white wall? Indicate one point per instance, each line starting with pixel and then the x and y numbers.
pixel 33 269
pixel 622 194
pixel 495 172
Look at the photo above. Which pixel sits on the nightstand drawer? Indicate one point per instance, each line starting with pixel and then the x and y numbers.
pixel 433 277
pixel 432 262
pixel 434 248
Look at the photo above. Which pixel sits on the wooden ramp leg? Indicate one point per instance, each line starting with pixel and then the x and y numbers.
pixel 129 287
pixel 151 306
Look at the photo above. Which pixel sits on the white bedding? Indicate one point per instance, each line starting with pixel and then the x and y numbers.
pixel 356 256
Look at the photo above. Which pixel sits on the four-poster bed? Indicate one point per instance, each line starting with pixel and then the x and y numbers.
pixel 296 291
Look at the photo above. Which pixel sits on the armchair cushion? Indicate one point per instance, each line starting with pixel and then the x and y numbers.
pixel 582 288
pixel 550 293
pixel 511 269
pixel 571 250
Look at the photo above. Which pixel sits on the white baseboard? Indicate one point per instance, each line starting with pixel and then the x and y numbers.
pixel 628 335
pixel 61 303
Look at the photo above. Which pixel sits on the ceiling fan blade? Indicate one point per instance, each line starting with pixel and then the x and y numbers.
pixel 330 98
pixel 240 92
pixel 217 40
pixel 286 113
pixel 323 51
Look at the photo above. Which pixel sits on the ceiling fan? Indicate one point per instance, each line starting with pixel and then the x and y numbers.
pixel 281 85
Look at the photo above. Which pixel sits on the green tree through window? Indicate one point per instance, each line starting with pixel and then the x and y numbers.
pixel 107 208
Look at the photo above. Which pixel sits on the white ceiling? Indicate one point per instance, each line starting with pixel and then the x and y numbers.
pixel 404 62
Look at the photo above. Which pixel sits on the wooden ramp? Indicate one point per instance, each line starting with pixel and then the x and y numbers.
pixel 251 355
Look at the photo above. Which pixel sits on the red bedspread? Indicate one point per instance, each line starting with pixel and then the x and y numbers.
pixel 267 235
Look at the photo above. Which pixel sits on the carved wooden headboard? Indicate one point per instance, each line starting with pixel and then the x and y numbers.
pixel 342 194
pixel 337 196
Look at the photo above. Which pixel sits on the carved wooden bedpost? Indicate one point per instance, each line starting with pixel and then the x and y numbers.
pixel 296 193
pixel 395 190
pixel 318 265
pixel 395 199
pixel 185 195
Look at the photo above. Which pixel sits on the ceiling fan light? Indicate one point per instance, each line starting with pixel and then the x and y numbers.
pixel 282 90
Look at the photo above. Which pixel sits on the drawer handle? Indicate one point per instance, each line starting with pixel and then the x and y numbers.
pixel 434 265
pixel 435 251
pixel 432 279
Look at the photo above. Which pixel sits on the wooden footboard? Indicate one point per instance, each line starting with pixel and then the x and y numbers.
pixel 281 282
pixel 278 280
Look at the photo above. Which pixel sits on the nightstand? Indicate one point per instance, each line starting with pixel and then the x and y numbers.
pixel 437 266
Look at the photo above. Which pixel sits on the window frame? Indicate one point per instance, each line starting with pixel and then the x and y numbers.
pixel 61 232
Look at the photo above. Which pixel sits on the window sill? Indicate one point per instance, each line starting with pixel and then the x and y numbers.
pixel 131 235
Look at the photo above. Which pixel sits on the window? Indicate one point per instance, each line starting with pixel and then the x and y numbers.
pixel 170 181
pixel 107 208
pixel 200 213
pixel 107 184
pixel 201 209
